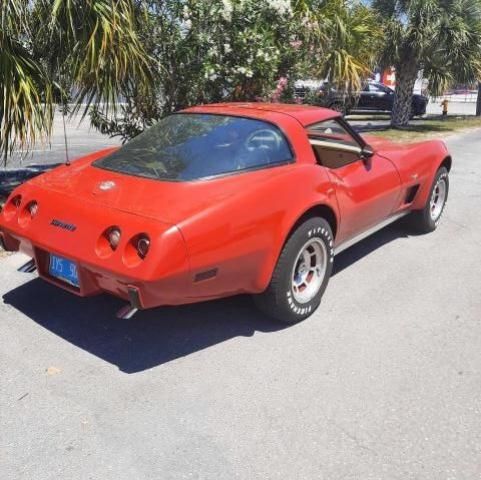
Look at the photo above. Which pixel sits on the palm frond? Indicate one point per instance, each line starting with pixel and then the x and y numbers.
pixel 26 105
pixel 105 53
pixel 353 35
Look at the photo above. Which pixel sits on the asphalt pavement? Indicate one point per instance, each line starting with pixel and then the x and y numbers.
pixel 81 140
pixel 382 383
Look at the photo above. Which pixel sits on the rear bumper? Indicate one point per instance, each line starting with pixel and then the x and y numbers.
pixel 2 242
pixel 8 243
pixel 170 289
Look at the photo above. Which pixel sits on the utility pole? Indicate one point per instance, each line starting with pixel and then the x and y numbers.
pixel 478 103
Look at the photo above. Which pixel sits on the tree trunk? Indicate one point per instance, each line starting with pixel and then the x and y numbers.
pixel 478 103
pixel 406 74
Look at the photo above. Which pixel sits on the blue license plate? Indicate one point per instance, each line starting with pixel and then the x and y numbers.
pixel 64 269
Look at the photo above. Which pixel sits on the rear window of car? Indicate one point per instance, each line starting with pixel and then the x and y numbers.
pixel 190 146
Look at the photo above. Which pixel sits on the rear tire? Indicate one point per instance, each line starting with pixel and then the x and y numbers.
pixel 427 219
pixel 301 274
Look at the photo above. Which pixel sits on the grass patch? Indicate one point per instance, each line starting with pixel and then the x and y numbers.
pixel 429 128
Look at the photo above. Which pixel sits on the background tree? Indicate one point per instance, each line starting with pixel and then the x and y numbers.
pixel 205 52
pixel 443 37
pixel 226 50
pixel 25 103
pixel 52 48
pixel 352 35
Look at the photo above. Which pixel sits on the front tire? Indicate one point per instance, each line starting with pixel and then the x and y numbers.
pixel 427 219
pixel 301 274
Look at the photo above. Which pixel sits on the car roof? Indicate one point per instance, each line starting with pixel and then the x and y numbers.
pixel 304 114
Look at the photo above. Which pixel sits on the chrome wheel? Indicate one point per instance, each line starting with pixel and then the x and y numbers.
pixel 309 270
pixel 438 199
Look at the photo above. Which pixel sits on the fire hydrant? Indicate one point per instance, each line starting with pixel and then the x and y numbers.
pixel 444 104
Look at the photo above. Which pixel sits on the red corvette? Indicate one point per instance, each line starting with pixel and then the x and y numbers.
pixel 224 199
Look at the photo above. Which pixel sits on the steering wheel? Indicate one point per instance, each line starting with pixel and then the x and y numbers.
pixel 263 139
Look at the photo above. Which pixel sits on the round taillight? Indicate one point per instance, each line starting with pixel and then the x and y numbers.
pixel 16 201
pixel 113 236
pixel 33 208
pixel 12 207
pixel 27 213
pixel 143 245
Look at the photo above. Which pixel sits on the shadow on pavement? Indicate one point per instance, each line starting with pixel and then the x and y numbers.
pixel 154 337
pixel 399 229
pixel 150 338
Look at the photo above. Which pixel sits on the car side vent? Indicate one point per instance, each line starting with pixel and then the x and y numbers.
pixel 201 276
pixel 411 194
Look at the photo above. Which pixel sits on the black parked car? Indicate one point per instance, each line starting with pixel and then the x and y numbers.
pixel 374 97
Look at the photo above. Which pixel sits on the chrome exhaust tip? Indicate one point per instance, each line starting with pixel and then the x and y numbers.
pixel 28 267
pixel 134 305
pixel 127 312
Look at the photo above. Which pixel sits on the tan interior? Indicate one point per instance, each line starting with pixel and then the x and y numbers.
pixel 333 155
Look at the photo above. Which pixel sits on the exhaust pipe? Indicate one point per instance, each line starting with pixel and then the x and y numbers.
pixel 28 267
pixel 127 312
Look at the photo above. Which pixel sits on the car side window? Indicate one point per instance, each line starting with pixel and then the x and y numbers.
pixel 332 132
pixel 333 145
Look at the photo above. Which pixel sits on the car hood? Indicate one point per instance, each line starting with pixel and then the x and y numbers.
pixel 166 201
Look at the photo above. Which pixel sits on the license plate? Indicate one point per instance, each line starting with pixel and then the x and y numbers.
pixel 64 270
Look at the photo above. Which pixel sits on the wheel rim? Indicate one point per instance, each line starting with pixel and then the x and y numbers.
pixel 438 199
pixel 309 270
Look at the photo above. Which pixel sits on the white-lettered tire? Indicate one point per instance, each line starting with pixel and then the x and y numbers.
pixel 301 274
pixel 427 219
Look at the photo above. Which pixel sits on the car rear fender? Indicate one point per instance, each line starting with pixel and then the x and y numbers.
pixel 322 204
pixel 325 209
pixel 234 246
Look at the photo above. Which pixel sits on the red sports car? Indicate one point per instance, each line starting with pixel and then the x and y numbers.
pixel 223 199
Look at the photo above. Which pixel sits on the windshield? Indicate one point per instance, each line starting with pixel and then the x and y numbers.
pixel 191 146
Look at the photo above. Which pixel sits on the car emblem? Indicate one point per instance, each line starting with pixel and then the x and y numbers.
pixel 66 226
pixel 107 185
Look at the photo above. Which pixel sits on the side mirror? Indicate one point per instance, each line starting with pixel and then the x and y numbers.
pixel 367 152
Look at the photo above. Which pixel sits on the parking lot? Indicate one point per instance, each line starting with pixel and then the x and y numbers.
pixel 383 382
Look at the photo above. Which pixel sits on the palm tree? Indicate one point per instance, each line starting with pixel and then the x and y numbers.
pixel 351 41
pixel 440 37
pixel 343 40
pixel 25 107
pixel 51 48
